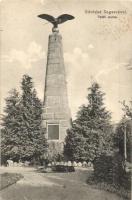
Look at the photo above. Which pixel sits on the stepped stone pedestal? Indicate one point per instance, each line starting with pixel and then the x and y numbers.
pixel 56 113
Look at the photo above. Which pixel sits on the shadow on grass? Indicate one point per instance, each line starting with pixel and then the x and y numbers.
pixel 8 179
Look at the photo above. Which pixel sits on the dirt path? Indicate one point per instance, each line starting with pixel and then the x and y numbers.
pixel 54 186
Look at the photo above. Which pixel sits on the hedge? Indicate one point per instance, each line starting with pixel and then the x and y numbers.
pixel 110 169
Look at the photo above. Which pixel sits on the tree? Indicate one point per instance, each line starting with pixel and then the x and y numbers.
pixel 74 148
pixel 124 126
pixel 119 138
pixel 94 115
pixel 29 138
pixel 127 109
pixel 33 143
pixel 10 123
pixel 91 131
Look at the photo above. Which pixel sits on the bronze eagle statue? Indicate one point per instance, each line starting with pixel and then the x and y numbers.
pixel 55 21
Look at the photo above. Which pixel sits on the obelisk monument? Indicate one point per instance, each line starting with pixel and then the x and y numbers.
pixel 56 113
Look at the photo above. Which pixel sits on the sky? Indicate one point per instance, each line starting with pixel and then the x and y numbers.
pixel 95 49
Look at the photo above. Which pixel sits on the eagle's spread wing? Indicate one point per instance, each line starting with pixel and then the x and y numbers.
pixel 47 17
pixel 63 18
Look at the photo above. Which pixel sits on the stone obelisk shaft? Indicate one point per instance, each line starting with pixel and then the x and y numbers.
pixel 56 110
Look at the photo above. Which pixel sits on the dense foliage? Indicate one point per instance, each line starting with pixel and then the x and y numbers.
pixel 22 136
pixel 110 171
pixel 124 126
pixel 90 134
pixel 127 109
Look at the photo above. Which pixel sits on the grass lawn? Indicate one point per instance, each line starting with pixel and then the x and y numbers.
pixel 55 186
pixel 8 179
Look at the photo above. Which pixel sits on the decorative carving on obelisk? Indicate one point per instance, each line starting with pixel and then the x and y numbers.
pixel 56 113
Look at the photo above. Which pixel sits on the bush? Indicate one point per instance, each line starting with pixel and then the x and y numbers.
pixel 103 168
pixel 110 175
pixel 110 169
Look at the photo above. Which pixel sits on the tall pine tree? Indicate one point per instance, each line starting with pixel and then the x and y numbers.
pixel 10 127
pixel 29 142
pixel 90 134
